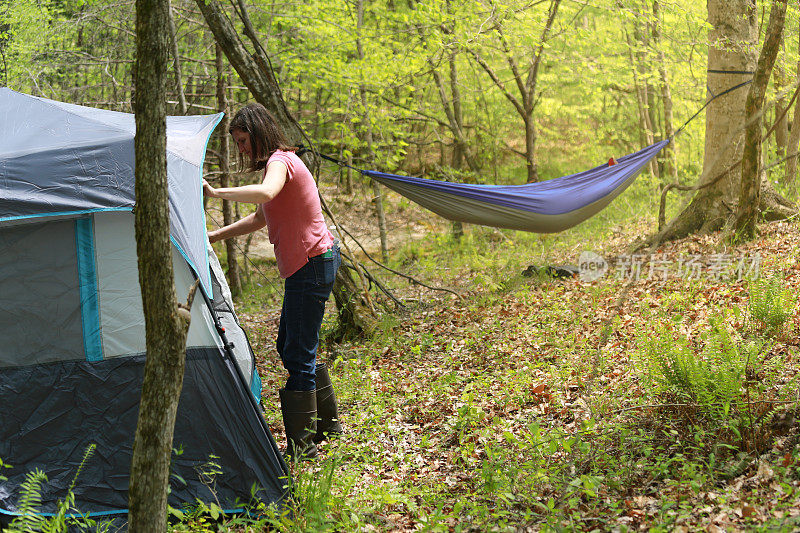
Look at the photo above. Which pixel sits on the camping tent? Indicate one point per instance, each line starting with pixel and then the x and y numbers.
pixel 72 326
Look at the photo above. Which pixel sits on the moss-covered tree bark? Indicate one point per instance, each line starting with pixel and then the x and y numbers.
pixel 793 141
pixel 732 60
pixel 165 326
pixel 355 314
pixel 750 187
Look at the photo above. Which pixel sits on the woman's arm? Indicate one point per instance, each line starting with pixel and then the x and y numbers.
pixel 248 224
pixel 274 180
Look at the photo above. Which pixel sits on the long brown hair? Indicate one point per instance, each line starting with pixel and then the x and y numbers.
pixel 265 134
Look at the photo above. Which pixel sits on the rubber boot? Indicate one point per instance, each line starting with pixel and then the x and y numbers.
pixel 299 410
pixel 327 410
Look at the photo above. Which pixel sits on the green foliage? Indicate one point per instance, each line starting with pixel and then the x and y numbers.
pixel 710 375
pixel 312 494
pixel 66 516
pixel 771 305
pixel 339 75
pixel 200 517
pixel 3 466
pixel 29 501
pixel 498 411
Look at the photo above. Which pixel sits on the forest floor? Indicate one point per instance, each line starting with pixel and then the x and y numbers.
pixel 660 397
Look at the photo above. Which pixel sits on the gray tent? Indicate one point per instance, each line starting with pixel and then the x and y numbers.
pixel 71 322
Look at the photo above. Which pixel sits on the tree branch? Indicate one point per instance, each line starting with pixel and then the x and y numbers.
pixel 406 276
pixel 185 310
pixel 497 82
pixel 534 72
pixel 513 64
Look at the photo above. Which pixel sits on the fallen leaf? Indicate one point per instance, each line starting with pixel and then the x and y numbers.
pixel 765 472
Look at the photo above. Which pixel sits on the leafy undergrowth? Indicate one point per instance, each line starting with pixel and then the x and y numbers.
pixel 536 404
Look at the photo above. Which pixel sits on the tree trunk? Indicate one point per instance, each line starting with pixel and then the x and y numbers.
pixel 455 116
pixel 669 155
pixel 526 85
pixel 645 131
pixel 643 86
pixel 231 253
pixel 380 213
pixel 782 128
pixel 4 27
pixel 165 327
pixel 377 195
pixel 348 176
pixel 345 175
pixel 794 141
pixel 460 150
pixel 355 313
pixel 750 188
pixel 176 64
pixel 318 111
pixel 530 150
pixel 645 65
pixel 732 41
pixel 463 150
pixel 454 113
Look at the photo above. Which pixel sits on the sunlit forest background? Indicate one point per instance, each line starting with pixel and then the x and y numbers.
pixel 599 93
pixel 523 403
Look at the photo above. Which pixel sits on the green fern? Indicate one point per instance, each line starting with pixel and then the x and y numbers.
pixel 771 305
pixel 59 522
pixel 31 520
pixel 711 377
pixel 2 466
pixel 29 502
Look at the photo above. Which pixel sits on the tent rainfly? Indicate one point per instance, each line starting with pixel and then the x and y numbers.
pixel 73 349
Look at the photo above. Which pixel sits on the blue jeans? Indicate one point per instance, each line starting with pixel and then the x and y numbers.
pixel 306 292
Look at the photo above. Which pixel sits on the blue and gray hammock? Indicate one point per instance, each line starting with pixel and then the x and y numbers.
pixel 541 207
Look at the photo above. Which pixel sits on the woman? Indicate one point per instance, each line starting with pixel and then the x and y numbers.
pixel 308 258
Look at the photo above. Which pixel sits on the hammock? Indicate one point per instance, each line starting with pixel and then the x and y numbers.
pixel 542 207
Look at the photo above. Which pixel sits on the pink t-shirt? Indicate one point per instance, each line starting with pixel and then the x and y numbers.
pixel 294 217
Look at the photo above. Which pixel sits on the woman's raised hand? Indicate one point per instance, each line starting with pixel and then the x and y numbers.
pixel 208 190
